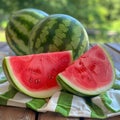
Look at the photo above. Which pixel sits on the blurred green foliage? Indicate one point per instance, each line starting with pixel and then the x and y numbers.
pixel 101 18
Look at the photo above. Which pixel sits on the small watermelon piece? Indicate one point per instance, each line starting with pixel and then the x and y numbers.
pixel 35 75
pixel 91 74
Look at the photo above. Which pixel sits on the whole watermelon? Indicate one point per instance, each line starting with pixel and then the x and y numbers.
pixel 19 26
pixel 59 32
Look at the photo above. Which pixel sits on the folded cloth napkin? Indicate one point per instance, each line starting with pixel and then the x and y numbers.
pixel 104 105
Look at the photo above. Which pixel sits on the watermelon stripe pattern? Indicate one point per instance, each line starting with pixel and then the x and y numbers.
pixel 59 32
pixel 103 106
pixel 19 28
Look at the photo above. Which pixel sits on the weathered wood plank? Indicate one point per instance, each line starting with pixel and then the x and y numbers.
pixel 54 116
pixel 2 44
pixel 114 55
pixel 114 46
pixel 14 113
pixel 4 47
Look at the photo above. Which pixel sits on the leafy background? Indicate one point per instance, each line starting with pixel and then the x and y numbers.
pixel 101 18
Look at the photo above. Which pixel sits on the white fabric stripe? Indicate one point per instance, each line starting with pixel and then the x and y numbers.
pixel 79 107
pixel 19 100
pixel 2 75
pixel 4 87
pixel 113 114
pixel 117 82
pixel 52 103
pixel 117 74
pixel 114 95
pixel 97 100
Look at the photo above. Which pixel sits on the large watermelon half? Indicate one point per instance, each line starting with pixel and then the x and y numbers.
pixel 35 75
pixel 59 32
pixel 91 74
pixel 19 27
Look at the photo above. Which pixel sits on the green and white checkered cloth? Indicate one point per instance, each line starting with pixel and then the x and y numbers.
pixel 103 106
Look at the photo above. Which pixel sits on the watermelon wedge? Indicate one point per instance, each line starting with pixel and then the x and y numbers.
pixel 35 75
pixel 91 74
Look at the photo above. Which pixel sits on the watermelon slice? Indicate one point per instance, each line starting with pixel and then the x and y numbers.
pixel 35 75
pixel 91 74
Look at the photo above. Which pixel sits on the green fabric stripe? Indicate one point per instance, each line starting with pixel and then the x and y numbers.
pixel 107 101
pixel 64 103
pixel 15 47
pixel 9 94
pixel 35 104
pixel 19 34
pixel 96 112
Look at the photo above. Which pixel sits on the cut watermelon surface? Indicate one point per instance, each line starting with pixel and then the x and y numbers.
pixel 35 75
pixel 91 74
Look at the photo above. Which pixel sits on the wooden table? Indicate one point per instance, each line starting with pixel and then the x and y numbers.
pixel 15 113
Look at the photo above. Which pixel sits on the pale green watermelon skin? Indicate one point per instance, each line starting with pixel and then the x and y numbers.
pixel 19 27
pixel 7 74
pixel 59 32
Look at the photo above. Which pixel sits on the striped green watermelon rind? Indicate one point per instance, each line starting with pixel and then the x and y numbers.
pixel 67 84
pixel 8 75
pixel 59 32
pixel 19 27
pixel 68 88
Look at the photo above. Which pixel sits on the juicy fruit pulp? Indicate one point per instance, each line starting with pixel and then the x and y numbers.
pixel 59 32
pixel 90 74
pixel 35 75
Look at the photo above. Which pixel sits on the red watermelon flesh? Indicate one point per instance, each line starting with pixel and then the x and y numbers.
pixel 35 75
pixel 91 74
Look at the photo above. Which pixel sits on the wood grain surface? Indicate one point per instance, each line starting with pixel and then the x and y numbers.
pixel 15 113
